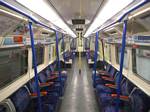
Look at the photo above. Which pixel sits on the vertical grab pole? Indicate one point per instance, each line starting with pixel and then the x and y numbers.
pixel 63 50
pixel 35 67
pixel 121 64
pixel 58 59
pixel 95 58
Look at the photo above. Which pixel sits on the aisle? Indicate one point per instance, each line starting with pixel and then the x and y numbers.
pixel 79 95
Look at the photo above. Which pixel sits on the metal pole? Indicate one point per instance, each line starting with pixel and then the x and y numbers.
pixel 35 67
pixel 95 58
pixel 80 53
pixel 121 64
pixel 58 59
pixel 103 50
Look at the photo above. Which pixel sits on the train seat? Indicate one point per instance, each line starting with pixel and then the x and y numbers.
pixel 87 55
pixel 53 72
pixel 23 103
pixel 58 85
pixel 106 98
pixel 7 106
pixel 102 79
pixel 108 87
pixel 51 97
pixel 108 67
pixel 102 72
pixel 2 108
pixel 137 103
pixel 55 77
pixel 67 56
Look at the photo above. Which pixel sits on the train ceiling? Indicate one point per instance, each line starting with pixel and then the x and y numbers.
pixel 84 11
pixel 77 9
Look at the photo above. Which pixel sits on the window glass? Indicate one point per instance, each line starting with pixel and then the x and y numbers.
pixel 63 46
pixel 141 62
pixel 118 53
pixel 13 64
pixel 53 51
pixel 101 51
pixel 73 44
pixel 39 54
pixel 107 52
pixel 49 50
pixel 87 43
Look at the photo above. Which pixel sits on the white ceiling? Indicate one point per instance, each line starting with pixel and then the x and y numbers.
pixel 76 9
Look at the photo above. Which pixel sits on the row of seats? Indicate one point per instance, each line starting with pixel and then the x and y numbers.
pixel 131 98
pixel 51 89
pixel 68 55
pixel 89 54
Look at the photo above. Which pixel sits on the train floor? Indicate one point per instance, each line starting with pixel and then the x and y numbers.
pixel 79 95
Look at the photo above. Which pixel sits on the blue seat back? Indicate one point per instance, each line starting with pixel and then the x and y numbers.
pixel 126 87
pixel 32 86
pixel 130 87
pixel 21 99
pixel 47 72
pixel 139 101
pixel 2 108
pixel 42 77
pixel 67 55
pixel 116 77
pixel 112 71
pixel 108 66
pixel 51 68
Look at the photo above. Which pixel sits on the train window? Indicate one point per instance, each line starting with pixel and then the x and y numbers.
pixel 54 51
pixel 87 43
pixel 39 54
pixel 141 62
pixel 13 64
pixel 49 54
pixel 63 46
pixel 101 51
pixel 118 53
pixel 73 44
pixel 107 51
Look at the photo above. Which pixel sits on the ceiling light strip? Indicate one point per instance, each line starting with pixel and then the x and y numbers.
pixel 109 10
pixel 42 8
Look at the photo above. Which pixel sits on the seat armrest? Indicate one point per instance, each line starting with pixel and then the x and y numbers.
pixel 121 97
pixel 46 84
pixel 107 78
pixel 101 71
pixel 111 86
pixel 55 73
pixel 52 78
pixel 34 95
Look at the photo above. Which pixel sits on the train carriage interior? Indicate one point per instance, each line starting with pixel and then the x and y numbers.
pixel 74 55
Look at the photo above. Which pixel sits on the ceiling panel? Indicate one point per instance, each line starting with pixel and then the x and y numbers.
pixel 76 9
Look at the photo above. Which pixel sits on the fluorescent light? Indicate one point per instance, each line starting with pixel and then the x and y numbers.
pixel 9 13
pixel 42 8
pixel 111 8
pixel 139 13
